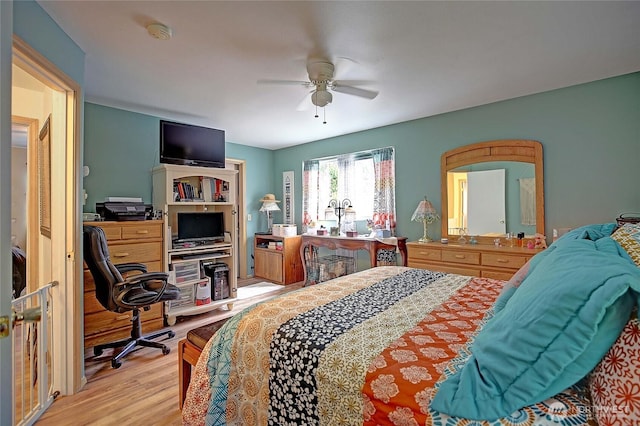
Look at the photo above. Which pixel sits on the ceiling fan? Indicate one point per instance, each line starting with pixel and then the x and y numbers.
pixel 322 83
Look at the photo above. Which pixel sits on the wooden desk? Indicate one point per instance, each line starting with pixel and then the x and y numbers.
pixel 371 245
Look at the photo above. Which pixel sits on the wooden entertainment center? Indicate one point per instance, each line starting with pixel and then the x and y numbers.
pixel 211 190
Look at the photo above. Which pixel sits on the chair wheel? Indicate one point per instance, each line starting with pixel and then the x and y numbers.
pixel 97 351
pixel 171 334
pixel 165 350
pixel 115 364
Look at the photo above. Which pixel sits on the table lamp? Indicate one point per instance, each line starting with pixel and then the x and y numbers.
pixel 269 204
pixel 425 213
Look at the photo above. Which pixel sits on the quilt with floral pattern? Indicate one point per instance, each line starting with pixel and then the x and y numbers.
pixel 368 348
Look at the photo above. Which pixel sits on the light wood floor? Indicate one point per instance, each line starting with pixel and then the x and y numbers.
pixel 144 391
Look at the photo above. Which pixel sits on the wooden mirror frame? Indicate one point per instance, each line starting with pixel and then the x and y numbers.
pixel 521 150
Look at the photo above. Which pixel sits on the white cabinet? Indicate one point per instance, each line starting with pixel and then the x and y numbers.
pixel 188 265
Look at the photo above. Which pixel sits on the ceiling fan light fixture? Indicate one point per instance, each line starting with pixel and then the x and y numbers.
pixel 321 98
pixel 159 31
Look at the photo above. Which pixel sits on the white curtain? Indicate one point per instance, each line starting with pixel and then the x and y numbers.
pixel 310 190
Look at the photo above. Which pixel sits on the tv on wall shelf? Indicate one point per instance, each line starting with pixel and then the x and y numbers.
pixel 190 145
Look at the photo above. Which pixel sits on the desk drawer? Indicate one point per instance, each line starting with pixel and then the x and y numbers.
pixel 503 260
pixel 466 257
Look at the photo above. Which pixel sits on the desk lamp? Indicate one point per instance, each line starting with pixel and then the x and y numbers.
pixel 269 204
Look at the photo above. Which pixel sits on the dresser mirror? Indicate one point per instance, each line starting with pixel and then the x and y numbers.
pixel 493 188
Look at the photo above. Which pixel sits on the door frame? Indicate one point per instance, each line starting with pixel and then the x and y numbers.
pixel 241 188
pixel 6 374
pixel 69 368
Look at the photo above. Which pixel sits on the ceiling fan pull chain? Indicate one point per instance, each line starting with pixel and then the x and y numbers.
pixel 324 113
pixel 316 116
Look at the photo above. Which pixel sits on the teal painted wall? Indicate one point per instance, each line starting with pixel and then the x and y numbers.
pixel 121 148
pixel 590 134
pixel 33 25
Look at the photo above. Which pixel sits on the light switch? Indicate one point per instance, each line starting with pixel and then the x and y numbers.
pixel 249 217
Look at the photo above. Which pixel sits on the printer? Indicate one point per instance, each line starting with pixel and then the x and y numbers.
pixel 124 210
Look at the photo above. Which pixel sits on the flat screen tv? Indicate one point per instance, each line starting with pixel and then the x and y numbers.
pixel 191 145
pixel 200 226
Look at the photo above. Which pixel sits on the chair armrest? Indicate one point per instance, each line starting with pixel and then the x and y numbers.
pixel 128 267
pixel 139 281
pixel 147 276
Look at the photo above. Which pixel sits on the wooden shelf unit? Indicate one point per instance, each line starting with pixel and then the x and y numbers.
pixel 135 241
pixel 481 260
pixel 278 266
pixel 164 176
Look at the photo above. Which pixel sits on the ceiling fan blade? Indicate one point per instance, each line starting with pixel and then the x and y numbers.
pixel 286 82
pixel 352 83
pixel 355 91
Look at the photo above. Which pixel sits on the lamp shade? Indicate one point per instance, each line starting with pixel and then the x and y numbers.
pixel 425 212
pixel 269 206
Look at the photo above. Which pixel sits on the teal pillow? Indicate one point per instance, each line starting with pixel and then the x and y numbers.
pixel 589 232
pixel 550 333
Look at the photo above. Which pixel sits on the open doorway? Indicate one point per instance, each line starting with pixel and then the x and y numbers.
pixel 50 235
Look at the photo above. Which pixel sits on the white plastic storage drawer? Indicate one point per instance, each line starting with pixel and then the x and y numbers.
pixel 186 270
pixel 187 297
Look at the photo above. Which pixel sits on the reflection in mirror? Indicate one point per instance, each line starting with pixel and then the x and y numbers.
pixel 492 199
pixel 514 199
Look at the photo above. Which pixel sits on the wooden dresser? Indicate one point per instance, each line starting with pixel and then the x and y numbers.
pixel 134 241
pixel 479 260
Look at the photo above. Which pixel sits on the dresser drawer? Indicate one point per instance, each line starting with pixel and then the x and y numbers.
pixel 426 253
pixel 466 257
pixel 503 260
pixel 452 269
pixel 135 252
pixel 105 321
pixel 142 231
pixel 497 275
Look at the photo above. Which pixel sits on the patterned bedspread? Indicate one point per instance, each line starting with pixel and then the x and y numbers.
pixel 368 348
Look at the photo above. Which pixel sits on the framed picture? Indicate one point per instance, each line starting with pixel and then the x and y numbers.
pixel 44 177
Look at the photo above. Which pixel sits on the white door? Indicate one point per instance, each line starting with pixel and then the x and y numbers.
pixel 6 380
pixel 486 202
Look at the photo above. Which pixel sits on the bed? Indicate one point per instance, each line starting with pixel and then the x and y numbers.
pixel 396 345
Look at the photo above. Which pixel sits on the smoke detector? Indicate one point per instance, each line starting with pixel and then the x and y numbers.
pixel 159 31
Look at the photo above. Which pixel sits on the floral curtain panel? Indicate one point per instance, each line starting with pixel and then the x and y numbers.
pixel 384 207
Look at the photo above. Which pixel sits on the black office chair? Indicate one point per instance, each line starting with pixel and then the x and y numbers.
pixel 119 294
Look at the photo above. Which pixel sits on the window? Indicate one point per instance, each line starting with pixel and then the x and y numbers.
pixel 365 178
pixel 358 190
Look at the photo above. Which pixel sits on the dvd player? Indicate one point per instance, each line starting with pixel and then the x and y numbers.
pixel 178 244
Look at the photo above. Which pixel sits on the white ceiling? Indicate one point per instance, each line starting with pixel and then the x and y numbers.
pixel 424 58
